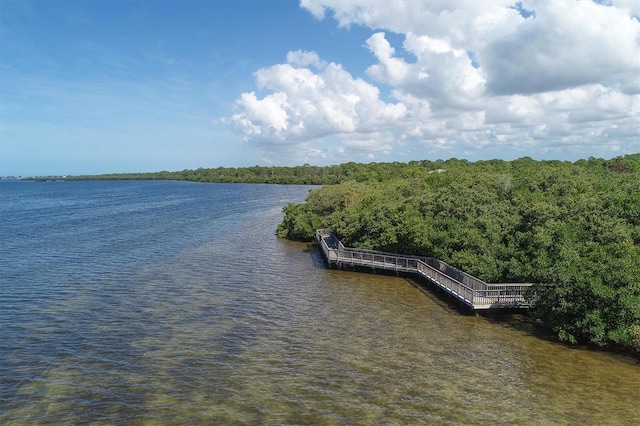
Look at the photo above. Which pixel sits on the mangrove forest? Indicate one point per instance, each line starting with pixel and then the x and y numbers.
pixel 573 228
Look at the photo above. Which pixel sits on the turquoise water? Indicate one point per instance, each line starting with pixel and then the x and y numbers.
pixel 174 302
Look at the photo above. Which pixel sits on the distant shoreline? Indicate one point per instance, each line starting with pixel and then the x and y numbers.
pixel 316 175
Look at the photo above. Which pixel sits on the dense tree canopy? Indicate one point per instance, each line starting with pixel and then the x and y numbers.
pixel 572 227
pixel 300 175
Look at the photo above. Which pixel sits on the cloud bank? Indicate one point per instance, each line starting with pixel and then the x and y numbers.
pixel 525 78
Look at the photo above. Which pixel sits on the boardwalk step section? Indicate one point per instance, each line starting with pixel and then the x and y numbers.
pixel 467 289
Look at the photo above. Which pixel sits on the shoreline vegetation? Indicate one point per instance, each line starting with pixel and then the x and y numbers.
pixel 572 226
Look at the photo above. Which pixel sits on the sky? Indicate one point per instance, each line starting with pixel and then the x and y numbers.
pixel 112 86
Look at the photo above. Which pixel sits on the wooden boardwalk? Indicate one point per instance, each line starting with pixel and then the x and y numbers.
pixel 469 290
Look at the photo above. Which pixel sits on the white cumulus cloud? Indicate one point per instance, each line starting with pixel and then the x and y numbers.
pixel 310 100
pixel 520 77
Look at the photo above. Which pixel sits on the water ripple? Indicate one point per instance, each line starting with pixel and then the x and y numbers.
pixel 173 302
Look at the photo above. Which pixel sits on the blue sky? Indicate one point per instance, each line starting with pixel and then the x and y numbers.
pixel 91 87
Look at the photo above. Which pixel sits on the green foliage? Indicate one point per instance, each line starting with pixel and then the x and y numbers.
pixel 301 220
pixel 299 175
pixel 298 223
pixel 573 227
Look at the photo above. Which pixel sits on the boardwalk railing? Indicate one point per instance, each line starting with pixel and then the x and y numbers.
pixel 466 288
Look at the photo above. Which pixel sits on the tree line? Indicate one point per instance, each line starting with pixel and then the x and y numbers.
pixel 572 227
pixel 296 175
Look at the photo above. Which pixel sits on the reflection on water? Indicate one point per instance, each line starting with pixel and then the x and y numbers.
pixel 239 327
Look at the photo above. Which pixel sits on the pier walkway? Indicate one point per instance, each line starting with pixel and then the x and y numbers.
pixel 469 290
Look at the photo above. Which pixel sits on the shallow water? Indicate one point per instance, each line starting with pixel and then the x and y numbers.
pixel 174 302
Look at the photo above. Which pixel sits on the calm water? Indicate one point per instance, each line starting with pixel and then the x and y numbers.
pixel 174 302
